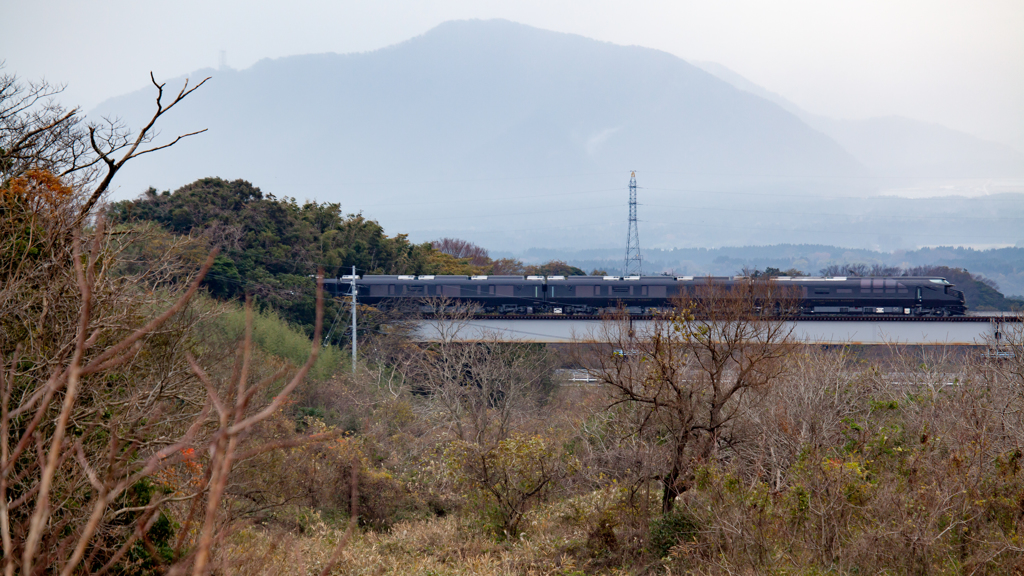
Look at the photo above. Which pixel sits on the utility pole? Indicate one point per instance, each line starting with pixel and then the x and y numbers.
pixel 632 266
pixel 354 346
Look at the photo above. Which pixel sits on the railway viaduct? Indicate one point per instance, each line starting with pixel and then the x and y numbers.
pixel 983 329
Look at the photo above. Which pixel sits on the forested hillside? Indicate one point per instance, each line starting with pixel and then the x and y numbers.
pixel 271 247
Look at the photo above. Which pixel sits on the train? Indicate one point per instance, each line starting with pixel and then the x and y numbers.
pixel 595 295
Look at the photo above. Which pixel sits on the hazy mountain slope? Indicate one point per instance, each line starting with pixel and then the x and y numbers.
pixel 732 77
pixel 478 99
pixel 898 146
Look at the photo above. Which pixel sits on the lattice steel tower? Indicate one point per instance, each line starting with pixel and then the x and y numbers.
pixel 633 260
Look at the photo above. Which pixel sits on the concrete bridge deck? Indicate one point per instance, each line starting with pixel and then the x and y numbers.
pixel 973 331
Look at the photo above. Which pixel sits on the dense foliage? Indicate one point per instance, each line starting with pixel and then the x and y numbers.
pixel 271 247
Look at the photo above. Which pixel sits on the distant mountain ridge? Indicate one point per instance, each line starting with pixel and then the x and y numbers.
pixel 482 98
pixel 897 146
pixel 512 137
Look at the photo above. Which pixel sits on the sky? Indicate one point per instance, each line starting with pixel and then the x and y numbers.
pixel 956 63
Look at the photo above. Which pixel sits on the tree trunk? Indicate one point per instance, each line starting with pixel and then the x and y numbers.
pixel 671 480
pixel 668 496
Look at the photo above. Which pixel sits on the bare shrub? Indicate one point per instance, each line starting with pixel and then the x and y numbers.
pixel 483 389
pixel 507 479
pixel 689 372
pixel 108 423
pixel 808 409
pixel 462 249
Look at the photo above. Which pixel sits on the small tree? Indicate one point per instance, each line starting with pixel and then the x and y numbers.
pixel 509 478
pixel 99 408
pixel 690 370
pixel 484 388
pixel 462 249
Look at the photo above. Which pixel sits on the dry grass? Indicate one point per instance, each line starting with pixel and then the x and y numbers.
pixel 843 467
pixel 439 546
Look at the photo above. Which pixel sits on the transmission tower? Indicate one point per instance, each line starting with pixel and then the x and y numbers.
pixel 632 266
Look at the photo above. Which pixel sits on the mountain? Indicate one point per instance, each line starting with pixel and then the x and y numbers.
pixel 902 147
pixel 896 146
pixel 514 137
pixel 476 99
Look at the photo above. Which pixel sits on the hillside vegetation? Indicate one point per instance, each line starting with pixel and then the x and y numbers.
pixel 271 247
pixel 152 423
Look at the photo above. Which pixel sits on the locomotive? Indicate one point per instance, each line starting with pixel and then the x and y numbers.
pixel 592 295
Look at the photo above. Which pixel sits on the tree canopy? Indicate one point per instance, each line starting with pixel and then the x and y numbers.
pixel 271 247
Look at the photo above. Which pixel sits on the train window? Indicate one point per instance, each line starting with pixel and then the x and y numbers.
pixel 378 290
pixel 490 290
pixel 865 283
pixel 505 290
pixel 643 290
pixel 391 289
pixel 658 291
pixel 902 288
pixel 450 290
pixel 584 291
pixel 622 289
pixel 878 283
pixel 414 289
pixel 844 290
pixel 820 291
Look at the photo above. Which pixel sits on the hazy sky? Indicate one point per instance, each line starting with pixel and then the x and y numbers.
pixel 957 63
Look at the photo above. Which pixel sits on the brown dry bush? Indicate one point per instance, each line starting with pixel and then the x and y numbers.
pixel 689 374
pixel 116 446
pixel 903 468
pixel 281 487
pixel 95 382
